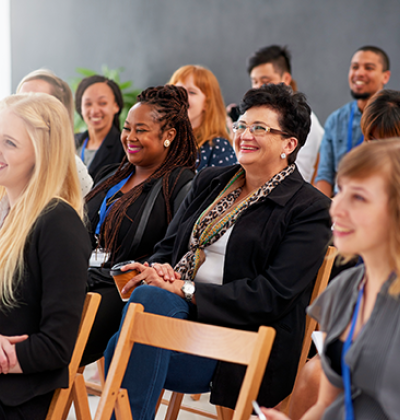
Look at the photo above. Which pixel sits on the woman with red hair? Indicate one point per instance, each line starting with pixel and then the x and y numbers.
pixel 206 114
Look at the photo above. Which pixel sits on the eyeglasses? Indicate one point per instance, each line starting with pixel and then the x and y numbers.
pixel 256 129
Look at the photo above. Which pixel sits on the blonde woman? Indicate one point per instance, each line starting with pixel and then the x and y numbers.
pixel 360 310
pixel 44 249
pixel 207 115
pixel 45 81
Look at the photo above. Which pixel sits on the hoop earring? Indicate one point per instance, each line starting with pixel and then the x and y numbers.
pixel 167 143
pixel 283 155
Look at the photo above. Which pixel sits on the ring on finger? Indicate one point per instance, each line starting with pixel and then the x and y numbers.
pixel 143 282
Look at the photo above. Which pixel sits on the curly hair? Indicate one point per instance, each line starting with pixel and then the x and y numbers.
pixel 171 105
pixel 292 109
pixel 91 80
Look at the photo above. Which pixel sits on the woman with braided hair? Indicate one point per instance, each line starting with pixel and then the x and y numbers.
pixel 158 168
pixel 242 251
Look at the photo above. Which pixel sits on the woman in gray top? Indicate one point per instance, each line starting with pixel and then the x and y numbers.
pixel 360 310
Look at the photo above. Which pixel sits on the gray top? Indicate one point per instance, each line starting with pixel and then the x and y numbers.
pixel 374 356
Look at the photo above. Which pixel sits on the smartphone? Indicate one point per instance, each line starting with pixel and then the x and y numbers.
pixel 258 411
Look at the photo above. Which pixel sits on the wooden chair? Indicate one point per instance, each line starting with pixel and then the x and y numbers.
pixel 237 346
pixel 96 388
pixel 311 324
pixel 62 398
pixel 223 413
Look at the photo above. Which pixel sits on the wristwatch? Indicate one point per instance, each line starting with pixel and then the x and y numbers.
pixel 188 290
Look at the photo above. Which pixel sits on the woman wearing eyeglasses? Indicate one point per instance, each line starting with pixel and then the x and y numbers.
pixel 242 251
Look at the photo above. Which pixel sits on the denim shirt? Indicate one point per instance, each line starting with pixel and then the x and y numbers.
pixel 334 142
pixel 220 154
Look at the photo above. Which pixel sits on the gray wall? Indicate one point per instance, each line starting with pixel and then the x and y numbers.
pixel 152 38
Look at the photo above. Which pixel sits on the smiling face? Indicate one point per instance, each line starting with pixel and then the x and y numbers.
pixel 266 73
pixel 99 107
pixel 142 138
pixel 262 154
pixel 197 101
pixel 361 217
pixel 366 75
pixel 17 155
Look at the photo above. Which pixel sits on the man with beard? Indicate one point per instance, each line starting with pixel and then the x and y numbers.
pixel 369 72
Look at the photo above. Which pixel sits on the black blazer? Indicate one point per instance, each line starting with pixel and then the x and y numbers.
pixel 272 257
pixel 50 301
pixel 110 151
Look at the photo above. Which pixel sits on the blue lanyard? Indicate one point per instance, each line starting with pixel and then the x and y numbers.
pixel 345 368
pixel 103 208
pixel 83 149
pixel 350 130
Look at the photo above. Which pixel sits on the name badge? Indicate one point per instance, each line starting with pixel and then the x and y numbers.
pixel 99 257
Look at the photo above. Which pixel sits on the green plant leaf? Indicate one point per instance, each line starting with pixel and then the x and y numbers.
pixel 85 72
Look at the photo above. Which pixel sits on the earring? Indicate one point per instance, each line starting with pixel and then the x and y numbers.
pixel 283 155
pixel 167 143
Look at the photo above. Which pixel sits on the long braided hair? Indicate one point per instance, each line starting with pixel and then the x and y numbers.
pixel 171 105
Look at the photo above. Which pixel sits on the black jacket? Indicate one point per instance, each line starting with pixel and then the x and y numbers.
pixel 272 257
pixel 156 225
pixel 110 151
pixel 50 301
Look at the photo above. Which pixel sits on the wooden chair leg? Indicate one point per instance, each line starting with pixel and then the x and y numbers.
pixel 122 407
pixel 195 397
pixel 174 406
pixel 101 370
pixel 67 407
pixel 81 402
pixel 224 413
pixel 159 401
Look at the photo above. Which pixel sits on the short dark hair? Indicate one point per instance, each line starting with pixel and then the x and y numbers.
pixel 292 109
pixel 382 115
pixel 384 57
pixel 278 56
pixel 91 80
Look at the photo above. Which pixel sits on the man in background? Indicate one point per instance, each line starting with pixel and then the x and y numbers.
pixel 369 72
pixel 272 65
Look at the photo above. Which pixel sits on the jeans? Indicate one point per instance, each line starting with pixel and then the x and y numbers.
pixel 151 369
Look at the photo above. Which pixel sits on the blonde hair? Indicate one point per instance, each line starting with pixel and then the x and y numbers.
pixel 59 88
pixel 213 123
pixel 383 158
pixel 54 176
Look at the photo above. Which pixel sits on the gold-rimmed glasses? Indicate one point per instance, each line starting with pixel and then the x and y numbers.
pixel 257 130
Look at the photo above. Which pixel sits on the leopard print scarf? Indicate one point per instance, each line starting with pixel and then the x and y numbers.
pixel 220 216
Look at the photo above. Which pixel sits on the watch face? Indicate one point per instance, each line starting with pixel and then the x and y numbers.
pixel 188 288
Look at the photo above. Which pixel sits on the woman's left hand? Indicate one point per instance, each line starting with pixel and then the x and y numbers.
pixel 166 271
pixel 148 275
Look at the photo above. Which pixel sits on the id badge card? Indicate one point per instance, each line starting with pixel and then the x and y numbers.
pixel 99 257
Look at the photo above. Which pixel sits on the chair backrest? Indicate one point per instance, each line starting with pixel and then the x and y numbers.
pixel 324 273
pixel 237 346
pixel 61 398
pixel 321 282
